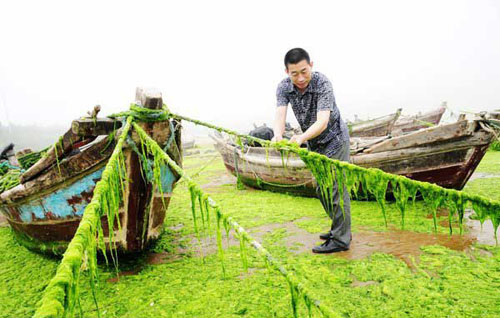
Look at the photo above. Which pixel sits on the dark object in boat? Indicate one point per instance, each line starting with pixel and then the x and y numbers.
pixel 262 132
pixel 4 155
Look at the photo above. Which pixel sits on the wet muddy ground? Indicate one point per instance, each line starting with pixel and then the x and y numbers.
pixel 404 245
pixel 483 175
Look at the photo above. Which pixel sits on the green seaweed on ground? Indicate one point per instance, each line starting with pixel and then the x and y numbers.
pixel 490 163
pixel 243 237
pixel 495 145
pixel 485 187
pixel 183 288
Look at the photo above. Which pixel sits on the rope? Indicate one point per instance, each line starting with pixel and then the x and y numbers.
pixel 285 145
pixel 144 114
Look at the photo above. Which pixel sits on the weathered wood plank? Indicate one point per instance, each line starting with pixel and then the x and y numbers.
pixel 148 97
pixel 96 155
pixel 63 147
pixel 140 197
pixel 376 127
pixel 87 127
pixel 426 136
pixel 413 123
pixel 478 139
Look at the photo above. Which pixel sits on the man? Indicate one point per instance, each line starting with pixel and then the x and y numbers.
pixel 313 103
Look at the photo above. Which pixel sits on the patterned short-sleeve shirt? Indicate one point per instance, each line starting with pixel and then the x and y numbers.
pixel 317 96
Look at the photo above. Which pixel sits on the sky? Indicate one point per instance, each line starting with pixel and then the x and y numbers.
pixel 221 61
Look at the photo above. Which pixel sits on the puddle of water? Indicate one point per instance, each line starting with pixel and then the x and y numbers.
pixel 220 181
pixel 439 213
pixel 484 234
pixel 483 175
pixel 132 272
pixel 162 258
pixel 404 245
pixel 401 244
pixel 357 283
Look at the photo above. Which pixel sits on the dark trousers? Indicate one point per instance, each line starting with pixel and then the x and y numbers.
pixel 340 230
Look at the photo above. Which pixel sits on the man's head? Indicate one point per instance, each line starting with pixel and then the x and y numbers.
pixel 298 67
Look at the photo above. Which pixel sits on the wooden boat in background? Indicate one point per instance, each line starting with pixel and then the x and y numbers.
pixel 406 124
pixel 45 209
pixel 381 126
pixel 446 155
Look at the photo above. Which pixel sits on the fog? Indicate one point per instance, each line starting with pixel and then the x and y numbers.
pixel 220 61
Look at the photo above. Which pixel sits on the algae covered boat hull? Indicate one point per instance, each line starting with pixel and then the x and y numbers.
pixel 446 155
pixel 44 211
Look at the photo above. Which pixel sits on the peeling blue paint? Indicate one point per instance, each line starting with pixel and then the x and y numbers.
pixel 167 179
pixel 55 205
pixel 70 201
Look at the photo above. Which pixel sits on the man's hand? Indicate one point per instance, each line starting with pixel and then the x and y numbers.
pixel 298 139
pixel 277 138
pixel 279 123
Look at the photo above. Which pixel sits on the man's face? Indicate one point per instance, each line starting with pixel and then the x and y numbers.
pixel 300 74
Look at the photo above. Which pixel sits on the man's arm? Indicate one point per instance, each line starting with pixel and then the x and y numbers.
pixel 315 130
pixel 279 122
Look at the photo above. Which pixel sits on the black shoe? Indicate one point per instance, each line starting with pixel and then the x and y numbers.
pixel 325 236
pixel 329 246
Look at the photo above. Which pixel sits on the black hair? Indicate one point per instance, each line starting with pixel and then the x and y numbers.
pixel 296 55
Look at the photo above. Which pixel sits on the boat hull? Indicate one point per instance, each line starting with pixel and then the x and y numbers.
pixel 45 212
pixel 423 121
pixel 445 160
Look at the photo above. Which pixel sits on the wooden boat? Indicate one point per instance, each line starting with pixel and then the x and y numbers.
pixel 381 126
pixel 446 155
pixel 45 209
pixel 188 144
pixel 411 123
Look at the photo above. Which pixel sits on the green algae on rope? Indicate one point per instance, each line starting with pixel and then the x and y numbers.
pixel 60 143
pixel 144 114
pixel 61 295
pixel 324 169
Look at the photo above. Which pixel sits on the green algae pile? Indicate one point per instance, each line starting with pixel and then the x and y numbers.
pixel 186 284
pixel 495 146
pixel 61 295
pixel 31 158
